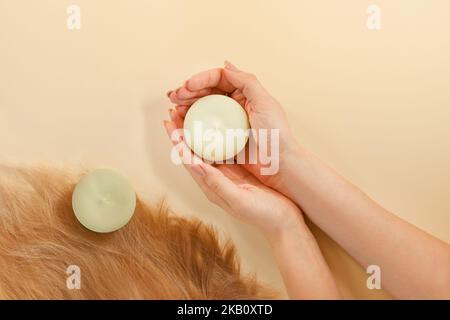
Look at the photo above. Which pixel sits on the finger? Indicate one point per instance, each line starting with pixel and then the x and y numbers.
pixel 239 97
pixel 192 168
pixel 218 183
pixel 184 93
pixel 213 78
pixel 247 83
pixel 176 118
pixel 197 174
pixel 188 157
pixel 174 133
pixel 230 66
pixel 182 110
pixel 175 100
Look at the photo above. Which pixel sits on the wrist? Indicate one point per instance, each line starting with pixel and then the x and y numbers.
pixel 291 223
pixel 291 155
pixel 288 166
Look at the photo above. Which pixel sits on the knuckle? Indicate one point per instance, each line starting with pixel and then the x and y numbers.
pixel 210 197
pixel 251 77
pixel 212 183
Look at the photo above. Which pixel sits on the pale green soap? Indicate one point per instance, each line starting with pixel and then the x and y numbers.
pixel 103 201
pixel 216 114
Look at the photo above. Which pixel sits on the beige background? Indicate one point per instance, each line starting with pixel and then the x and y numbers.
pixel 375 104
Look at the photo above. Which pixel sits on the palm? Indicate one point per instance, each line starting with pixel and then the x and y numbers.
pixel 258 202
pixel 238 174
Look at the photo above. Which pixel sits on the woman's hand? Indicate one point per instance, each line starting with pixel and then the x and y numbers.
pixel 246 194
pixel 263 110
pixel 237 191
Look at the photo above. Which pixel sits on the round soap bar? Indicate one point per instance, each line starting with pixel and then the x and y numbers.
pixel 103 201
pixel 216 127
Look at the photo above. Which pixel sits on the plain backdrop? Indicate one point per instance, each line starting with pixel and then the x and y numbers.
pixel 373 104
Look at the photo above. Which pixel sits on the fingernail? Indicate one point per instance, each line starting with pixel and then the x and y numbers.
pixel 230 66
pixel 198 170
pixel 168 93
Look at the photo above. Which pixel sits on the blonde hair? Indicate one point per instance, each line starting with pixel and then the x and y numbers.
pixel 158 255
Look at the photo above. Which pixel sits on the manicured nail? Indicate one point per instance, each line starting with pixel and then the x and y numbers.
pixel 230 66
pixel 198 170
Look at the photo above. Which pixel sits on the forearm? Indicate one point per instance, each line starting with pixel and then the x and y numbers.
pixel 413 263
pixel 305 273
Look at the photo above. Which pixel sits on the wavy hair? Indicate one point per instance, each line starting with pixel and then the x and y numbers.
pixel 158 255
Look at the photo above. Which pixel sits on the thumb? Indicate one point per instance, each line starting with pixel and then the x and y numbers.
pixel 218 183
pixel 247 83
pixel 228 65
